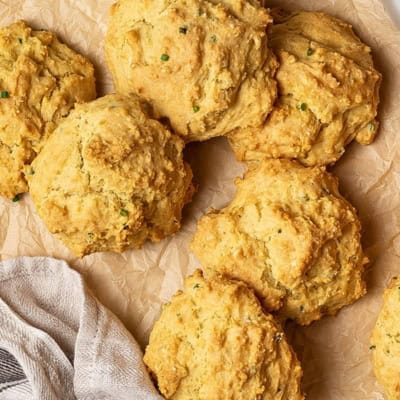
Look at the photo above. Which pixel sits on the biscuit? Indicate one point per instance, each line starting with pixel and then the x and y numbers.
pixel 291 236
pixel 214 342
pixel 385 342
pixel 40 81
pixel 202 64
pixel 110 177
pixel 328 93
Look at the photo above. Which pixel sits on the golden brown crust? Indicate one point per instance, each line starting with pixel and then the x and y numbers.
pixel 385 342
pixel 291 236
pixel 217 72
pixel 111 177
pixel 328 93
pixel 214 342
pixel 41 79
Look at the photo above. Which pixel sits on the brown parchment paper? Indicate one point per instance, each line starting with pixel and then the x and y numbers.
pixel 335 351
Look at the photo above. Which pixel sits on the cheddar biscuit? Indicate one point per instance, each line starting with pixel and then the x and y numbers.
pixel 385 342
pixel 328 93
pixel 204 65
pixel 291 236
pixel 111 177
pixel 214 342
pixel 40 81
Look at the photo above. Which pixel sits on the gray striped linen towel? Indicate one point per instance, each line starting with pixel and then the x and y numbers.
pixel 14 384
pixel 58 342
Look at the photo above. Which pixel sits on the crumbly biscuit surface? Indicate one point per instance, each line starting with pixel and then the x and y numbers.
pixel 328 93
pixel 214 342
pixel 291 236
pixel 111 177
pixel 40 81
pixel 203 64
pixel 385 342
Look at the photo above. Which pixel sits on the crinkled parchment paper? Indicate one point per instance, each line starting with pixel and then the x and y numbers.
pixel 335 351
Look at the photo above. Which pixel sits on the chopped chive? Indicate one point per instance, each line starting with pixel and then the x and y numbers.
pixel 20 41
pixel 213 38
pixel 371 126
pixel 200 12
pixel 183 30
pixel 4 94
pixel 16 198
pixel 196 109
pixel 196 286
pixel 90 235
pixel 303 107
pixel 123 212
pixel 278 337
pixel 310 52
pixel 164 57
pixel 372 347
pixel 279 230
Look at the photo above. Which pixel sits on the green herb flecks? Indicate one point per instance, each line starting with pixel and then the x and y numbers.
pixel 326 191
pixel 123 212
pixel 213 38
pixel 278 337
pixel 373 347
pixel 279 230
pixel 196 286
pixel 303 106
pixel 164 57
pixel 16 198
pixel 4 94
pixel 196 109
pixel 183 30
pixel 20 41
pixel 310 52
pixel 371 126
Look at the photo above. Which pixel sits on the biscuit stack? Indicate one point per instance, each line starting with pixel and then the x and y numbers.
pixel 289 96
pixel 289 91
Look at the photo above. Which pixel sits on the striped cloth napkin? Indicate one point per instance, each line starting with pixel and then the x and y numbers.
pixel 58 342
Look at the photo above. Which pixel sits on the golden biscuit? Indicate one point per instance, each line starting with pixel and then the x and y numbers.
pixel 110 177
pixel 328 93
pixel 385 342
pixel 40 81
pixel 204 65
pixel 214 342
pixel 289 235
